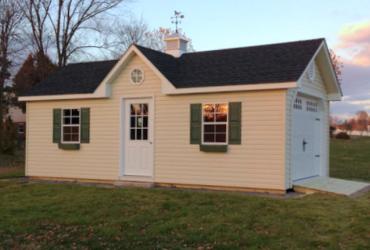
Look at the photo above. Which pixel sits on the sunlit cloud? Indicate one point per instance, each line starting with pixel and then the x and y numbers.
pixel 353 47
pixel 354 43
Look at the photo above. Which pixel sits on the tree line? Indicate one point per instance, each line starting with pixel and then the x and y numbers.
pixel 360 122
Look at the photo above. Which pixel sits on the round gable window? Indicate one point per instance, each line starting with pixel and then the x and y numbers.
pixel 137 76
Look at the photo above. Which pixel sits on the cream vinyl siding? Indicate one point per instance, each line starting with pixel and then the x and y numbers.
pixel 259 162
pixel 315 87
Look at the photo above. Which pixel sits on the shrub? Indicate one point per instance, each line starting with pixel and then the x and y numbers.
pixel 9 143
pixel 343 136
pixel 332 130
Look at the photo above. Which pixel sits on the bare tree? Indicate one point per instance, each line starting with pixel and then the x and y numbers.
pixel 137 31
pixel 69 26
pixel 36 12
pixel 337 65
pixel 72 17
pixel 123 34
pixel 10 20
pixel 362 119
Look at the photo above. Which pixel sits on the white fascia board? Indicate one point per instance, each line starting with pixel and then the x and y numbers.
pixel 332 72
pixel 229 88
pixel 59 97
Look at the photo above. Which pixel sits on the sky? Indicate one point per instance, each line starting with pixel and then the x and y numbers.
pixel 221 24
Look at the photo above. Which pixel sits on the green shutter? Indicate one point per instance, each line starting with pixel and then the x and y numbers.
pixel 57 123
pixel 195 123
pixel 235 113
pixel 85 125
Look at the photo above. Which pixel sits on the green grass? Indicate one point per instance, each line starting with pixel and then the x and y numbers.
pixel 350 159
pixel 71 216
pixel 67 216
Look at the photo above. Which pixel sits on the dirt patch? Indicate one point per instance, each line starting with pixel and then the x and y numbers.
pixel 8 172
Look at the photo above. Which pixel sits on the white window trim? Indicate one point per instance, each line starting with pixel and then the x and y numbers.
pixel 216 123
pixel 70 125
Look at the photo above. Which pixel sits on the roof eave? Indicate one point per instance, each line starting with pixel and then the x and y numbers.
pixel 228 88
pixel 60 97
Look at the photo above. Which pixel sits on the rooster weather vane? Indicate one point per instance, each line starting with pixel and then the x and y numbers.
pixel 176 19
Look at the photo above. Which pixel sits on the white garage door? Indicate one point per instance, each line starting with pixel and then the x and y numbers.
pixel 306 138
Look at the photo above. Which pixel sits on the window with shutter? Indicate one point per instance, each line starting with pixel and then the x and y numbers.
pixel 214 126
pixel 71 127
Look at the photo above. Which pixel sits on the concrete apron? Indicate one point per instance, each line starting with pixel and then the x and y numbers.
pixel 331 185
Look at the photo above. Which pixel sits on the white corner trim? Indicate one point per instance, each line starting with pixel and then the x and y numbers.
pixel 229 88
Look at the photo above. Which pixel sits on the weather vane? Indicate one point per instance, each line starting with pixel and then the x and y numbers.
pixel 176 19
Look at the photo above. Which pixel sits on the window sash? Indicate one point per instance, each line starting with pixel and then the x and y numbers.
pixel 71 125
pixel 226 123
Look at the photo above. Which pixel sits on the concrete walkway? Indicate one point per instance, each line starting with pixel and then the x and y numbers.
pixel 331 185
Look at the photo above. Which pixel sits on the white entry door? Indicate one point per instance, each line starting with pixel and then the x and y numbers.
pixel 138 137
pixel 306 139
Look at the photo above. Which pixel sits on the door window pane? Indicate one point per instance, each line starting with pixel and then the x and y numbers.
pixel 139 121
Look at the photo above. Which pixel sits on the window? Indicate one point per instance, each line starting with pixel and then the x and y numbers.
pixel 298 103
pixel 71 126
pixel 214 123
pixel 139 121
pixel 137 76
pixel 312 106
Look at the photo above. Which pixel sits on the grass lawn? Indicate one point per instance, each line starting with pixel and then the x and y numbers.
pixel 72 216
pixel 68 216
pixel 350 159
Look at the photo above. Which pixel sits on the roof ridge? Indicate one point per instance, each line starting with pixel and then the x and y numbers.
pixel 154 50
pixel 98 61
pixel 255 46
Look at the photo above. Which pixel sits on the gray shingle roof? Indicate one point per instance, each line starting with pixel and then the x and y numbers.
pixel 75 78
pixel 274 63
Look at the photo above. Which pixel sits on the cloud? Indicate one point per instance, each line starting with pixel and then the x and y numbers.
pixel 353 47
pixel 354 43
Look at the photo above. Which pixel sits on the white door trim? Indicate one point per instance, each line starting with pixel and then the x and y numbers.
pixel 122 135
pixel 319 138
